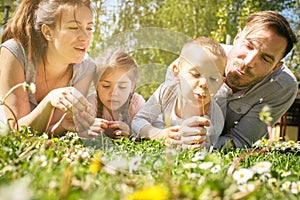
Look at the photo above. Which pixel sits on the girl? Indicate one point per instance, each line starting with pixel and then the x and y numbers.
pixel 115 100
pixel 45 42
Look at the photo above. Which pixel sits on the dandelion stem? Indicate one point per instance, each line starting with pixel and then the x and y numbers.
pixel 14 115
pixel 11 90
pixel 239 159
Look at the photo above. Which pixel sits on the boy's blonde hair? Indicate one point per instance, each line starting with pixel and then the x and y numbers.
pixel 211 47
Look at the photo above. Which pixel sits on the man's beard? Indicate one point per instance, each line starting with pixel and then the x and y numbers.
pixel 236 81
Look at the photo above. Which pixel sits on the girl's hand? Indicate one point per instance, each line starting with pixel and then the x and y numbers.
pixel 193 132
pixel 118 129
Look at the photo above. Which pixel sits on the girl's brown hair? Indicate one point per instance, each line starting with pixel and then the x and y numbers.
pixel 114 58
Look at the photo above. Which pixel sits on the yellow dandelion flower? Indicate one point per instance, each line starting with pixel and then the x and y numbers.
pixel 155 192
pixel 96 164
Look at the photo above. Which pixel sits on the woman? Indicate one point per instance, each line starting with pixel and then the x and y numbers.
pixel 46 42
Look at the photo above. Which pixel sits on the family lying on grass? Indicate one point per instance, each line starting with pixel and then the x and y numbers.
pixel 208 98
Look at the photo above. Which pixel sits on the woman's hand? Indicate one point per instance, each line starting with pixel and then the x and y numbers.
pixel 69 100
pixel 193 132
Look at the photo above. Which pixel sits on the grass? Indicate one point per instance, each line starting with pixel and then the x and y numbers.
pixel 38 167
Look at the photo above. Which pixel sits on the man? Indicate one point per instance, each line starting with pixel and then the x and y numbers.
pixel 256 77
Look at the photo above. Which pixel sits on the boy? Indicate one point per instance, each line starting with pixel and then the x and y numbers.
pixel 173 112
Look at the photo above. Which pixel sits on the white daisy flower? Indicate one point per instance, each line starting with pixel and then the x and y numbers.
pixel 206 165
pixel 189 165
pixel 199 156
pixel 247 187
pixel 43 160
pixel 285 174
pixel 215 169
pixel 286 186
pixel 262 167
pixel 295 189
pixel 265 177
pixel 242 175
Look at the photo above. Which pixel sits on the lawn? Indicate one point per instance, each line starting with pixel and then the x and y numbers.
pixel 38 167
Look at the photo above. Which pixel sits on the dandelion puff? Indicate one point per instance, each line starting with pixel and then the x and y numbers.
pixel 295 188
pixel 114 165
pixel 45 136
pixel 29 87
pixel 158 164
pixel 134 163
pixel 262 167
pixel 242 175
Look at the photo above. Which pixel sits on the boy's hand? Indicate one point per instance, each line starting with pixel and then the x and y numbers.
pixel 172 136
pixel 193 132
